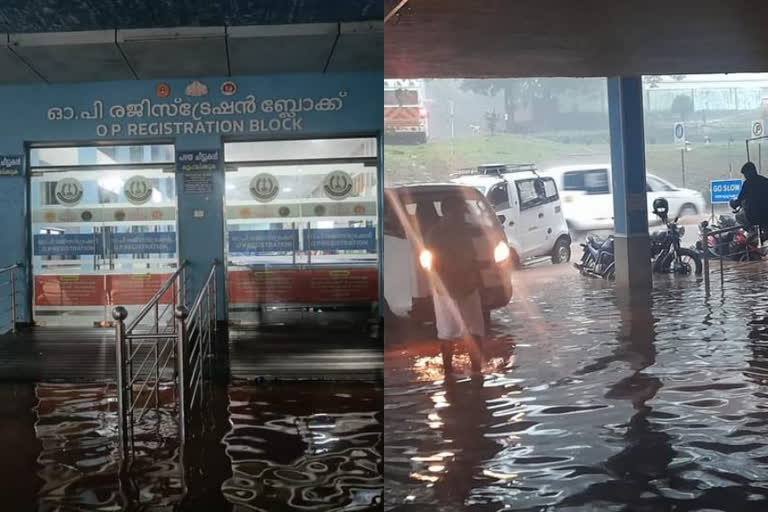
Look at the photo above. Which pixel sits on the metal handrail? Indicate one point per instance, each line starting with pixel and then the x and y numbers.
pixel 12 281
pixel 190 329
pixel 157 296
pixel 199 324
pixel 705 233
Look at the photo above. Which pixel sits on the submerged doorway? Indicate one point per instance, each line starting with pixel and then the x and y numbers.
pixel 103 230
pixel 301 220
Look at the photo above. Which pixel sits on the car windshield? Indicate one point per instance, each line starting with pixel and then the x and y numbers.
pixel 426 207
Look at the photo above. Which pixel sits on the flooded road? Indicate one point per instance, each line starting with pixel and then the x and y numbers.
pixel 588 401
pixel 264 447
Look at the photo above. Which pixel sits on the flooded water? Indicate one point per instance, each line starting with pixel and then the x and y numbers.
pixel 588 401
pixel 288 446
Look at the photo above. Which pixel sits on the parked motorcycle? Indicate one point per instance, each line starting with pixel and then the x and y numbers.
pixel 597 259
pixel 666 253
pixel 736 245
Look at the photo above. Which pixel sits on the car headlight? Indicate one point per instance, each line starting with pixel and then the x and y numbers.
pixel 425 259
pixel 501 252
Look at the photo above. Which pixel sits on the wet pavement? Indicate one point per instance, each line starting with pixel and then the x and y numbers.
pixel 263 447
pixel 589 401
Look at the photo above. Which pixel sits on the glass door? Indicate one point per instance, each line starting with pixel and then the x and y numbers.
pixel 301 222
pixel 103 233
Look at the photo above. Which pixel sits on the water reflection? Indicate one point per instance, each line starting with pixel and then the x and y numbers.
pixel 289 454
pixel 303 446
pixel 603 403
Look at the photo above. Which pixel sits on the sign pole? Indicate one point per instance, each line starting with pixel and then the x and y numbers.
pixel 682 163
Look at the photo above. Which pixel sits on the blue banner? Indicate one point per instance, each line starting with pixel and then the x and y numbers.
pixel 263 241
pixel 144 243
pixel 722 191
pixel 340 239
pixel 67 244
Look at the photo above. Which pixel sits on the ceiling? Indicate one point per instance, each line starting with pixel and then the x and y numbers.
pixel 77 15
pixel 519 38
pixel 96 40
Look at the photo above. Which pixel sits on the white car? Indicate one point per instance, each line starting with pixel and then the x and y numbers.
pixel 410 212
pixel 587 196
pixel 528 207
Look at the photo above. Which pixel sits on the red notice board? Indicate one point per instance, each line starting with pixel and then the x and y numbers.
pixel 91 290
pixel 86 290
pixel 137 288
pixel 315 286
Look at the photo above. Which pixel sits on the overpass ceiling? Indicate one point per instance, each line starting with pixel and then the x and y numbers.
pixel 518 38
pixel 78 15
pixel 95 40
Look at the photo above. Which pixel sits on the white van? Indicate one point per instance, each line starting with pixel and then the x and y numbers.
pixel 528 207
pixel 587 196
pixel 410 212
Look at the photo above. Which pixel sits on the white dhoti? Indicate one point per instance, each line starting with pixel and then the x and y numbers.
pixel 459 317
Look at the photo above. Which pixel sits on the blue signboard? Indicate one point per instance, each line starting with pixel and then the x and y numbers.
pixel 197 168
pixel 67 244
pixel 263 241
pixel 340 239
pixel 10 165
pixel 144 243
pixel 722 191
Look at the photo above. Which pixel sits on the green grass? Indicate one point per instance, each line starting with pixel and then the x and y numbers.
pixel 436 160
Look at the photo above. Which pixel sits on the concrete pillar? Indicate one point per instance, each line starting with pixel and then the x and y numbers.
pixel 201 223
pixel 630 205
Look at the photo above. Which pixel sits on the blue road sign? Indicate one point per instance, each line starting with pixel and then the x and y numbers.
pixel 722 191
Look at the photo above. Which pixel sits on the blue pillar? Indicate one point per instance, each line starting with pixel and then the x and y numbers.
pixel 14 234
pixel 201 222
pixel 630 205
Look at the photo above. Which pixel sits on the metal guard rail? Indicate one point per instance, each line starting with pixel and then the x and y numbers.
pixel 154 302
pixel 157 346
pixel 11 270
pixel 706 232
pixel 195 332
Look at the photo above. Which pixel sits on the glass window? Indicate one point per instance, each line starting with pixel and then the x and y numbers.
pixel 291 150
pixel 596 182
pixel 656 185
pixel 426 208
pixel 100 155
pixel 499 196
pixel 535 192
pixel 526 191
pixel 573 181
pixel 592 181
pixel 550 189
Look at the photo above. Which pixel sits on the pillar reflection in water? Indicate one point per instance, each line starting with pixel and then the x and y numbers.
pixel 648 451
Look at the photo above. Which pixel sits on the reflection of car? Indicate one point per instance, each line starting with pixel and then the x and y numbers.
pixel 528 207
pixel 586 191
pixel 410 212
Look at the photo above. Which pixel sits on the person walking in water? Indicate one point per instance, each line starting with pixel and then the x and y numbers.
pixel 456 283
pixel 753 199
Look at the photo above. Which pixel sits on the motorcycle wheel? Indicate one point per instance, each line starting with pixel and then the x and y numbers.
pixel 691 263
pixel 610 272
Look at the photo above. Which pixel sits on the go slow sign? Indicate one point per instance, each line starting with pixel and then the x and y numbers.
pixel 722 191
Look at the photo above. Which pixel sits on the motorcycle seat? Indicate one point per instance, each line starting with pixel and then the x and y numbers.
pixel 595 241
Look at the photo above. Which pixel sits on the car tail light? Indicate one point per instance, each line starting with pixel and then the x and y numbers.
pixel 426 259
pixel 501 252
